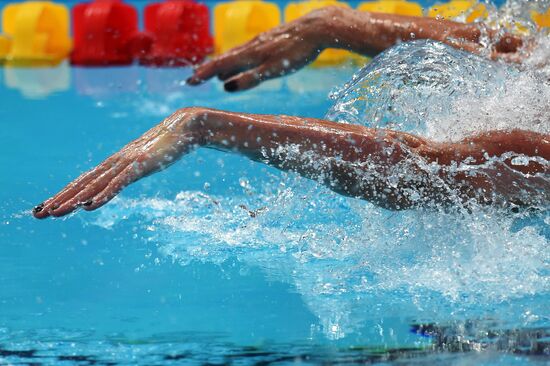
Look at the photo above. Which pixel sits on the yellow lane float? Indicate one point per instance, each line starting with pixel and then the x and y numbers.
pixel 400 7
pixel 37 32
pixel 467 10
pixel 541 19
pixel 237 22
pixel 298 9
pixel 5 45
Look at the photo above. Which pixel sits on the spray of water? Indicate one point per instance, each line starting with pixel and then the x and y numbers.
pixel 345 255
pixel 445 94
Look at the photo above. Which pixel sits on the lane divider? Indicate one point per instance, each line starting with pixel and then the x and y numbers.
pixel 237 22
pixel 468 10
pixel 400 7
pixel 179 34
pixel 176 32
pixel 35 32
pixel 103 31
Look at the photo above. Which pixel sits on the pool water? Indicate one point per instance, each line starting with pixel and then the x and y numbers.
pixel 177 270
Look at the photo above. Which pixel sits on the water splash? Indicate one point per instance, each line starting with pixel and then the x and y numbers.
pixel 345 256
pixel 442 93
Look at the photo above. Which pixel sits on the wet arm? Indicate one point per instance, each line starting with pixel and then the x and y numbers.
pixel 289 47
pixel 371 33
pixel 333 153
pixel 372 164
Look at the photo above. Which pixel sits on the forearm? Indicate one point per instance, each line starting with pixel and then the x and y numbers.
pixel 349 159
pixel 291 46
pixel 336 154
pixel 257 136
pixel 383 166
pixel 371 33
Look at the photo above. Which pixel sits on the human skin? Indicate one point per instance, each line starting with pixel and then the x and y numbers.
pixel 350 159
pixel 383 166
pixel 291 46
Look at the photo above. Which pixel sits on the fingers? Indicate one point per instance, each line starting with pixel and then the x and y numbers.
pixel 81 191
pixel 87 194
pixel 135 160
pixel 203 72
pixel 251 78
pixel 43 210
pixel 127 176
pixel 236 60
pixel 247 66
pixel 269 69
pixel 228 64
pixel 229 75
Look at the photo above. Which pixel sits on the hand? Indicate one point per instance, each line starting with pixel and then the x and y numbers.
pixel 154 151
pixel 275 53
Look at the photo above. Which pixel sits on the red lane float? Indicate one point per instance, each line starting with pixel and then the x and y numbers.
pixel 180 30
pixel 106 33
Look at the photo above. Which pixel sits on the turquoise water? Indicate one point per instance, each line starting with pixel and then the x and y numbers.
pixel 176 270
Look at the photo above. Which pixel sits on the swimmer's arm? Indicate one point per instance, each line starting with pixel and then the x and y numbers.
pixel 371 33
pixel 352 160
pixel 289 47
pixel 332 153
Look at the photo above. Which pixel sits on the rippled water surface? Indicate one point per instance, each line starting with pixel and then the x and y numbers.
pixel 220 260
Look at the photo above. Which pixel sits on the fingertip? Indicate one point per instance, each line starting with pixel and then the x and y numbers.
pixel 38 212
pixel 193 80
pixel 44 209
pixel 231 86
pixel 38 208
pixel 241 82
pixel 205 71
pixel 90 205
pixel 223 77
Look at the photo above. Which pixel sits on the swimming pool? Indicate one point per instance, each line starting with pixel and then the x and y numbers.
pixel 177 270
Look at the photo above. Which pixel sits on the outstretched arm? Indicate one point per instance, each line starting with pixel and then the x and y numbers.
pixel 291 46
pixel 377 165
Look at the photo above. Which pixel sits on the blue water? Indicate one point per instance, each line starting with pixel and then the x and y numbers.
pixel 176 271
pixel 164 274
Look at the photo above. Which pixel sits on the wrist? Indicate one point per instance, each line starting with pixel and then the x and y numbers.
pixel 189 123
pixel 322 26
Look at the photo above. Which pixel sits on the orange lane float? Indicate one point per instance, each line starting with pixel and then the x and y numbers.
pixel 541 19
pixel 5 45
